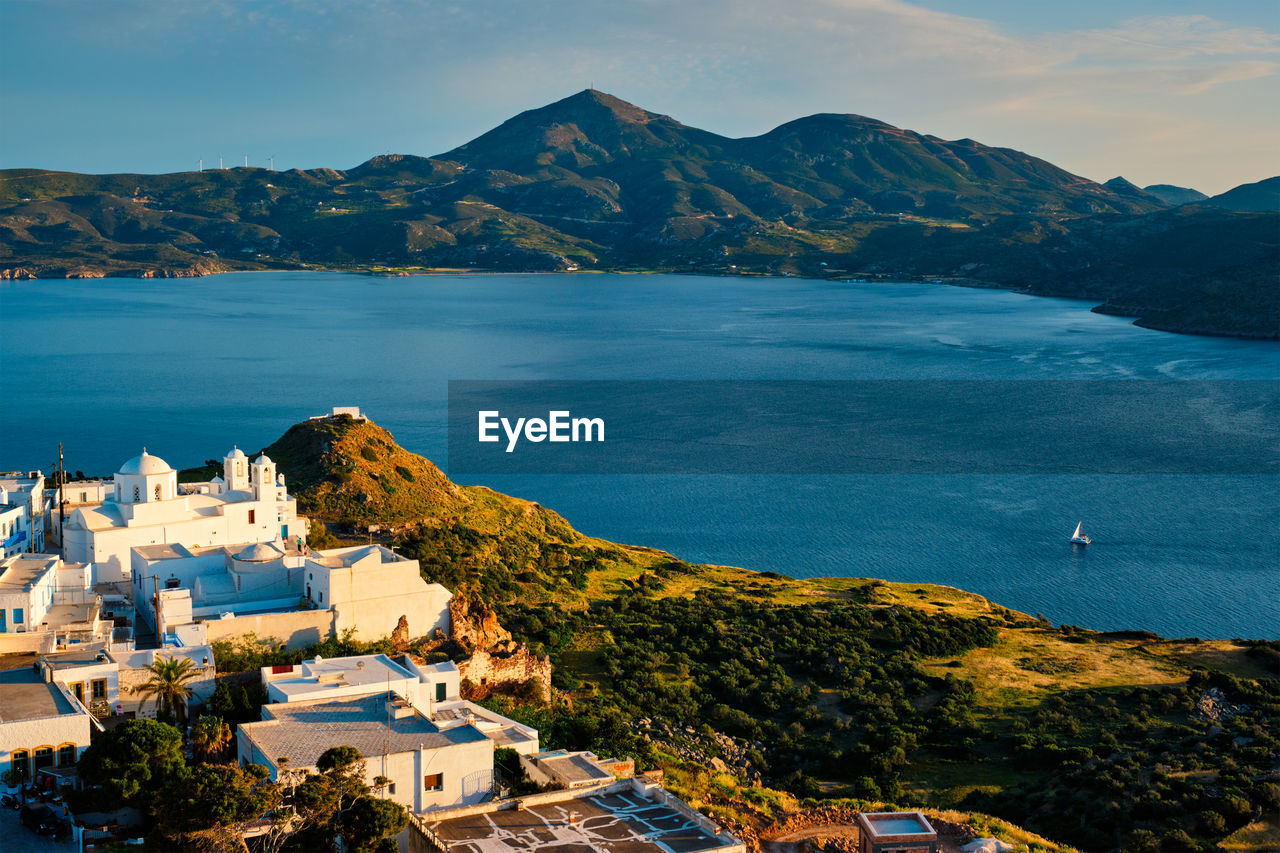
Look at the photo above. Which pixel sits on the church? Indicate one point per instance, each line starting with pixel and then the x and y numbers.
pixel 248 503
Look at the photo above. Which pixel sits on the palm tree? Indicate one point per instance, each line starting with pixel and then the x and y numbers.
pixel 210 736
pixel 168 684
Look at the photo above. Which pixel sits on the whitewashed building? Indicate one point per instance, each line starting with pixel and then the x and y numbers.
pixel 22 512
pixel 41 724
pixel 46 604
pixel 432 689
pixel 109 680
pixel 248 503
pixel 272 589
pixel 429 767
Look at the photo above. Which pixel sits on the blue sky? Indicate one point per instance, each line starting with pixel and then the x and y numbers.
pixel 1175 91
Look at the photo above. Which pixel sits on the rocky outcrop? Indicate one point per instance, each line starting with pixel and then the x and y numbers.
pixel 400 638
pixel 716 751
pixel 17 274
pixel 496 663
pixel 1213 706
pixel 475 625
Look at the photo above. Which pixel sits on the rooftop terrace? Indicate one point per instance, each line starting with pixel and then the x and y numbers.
pixel 624 822
pixel 28 697
pixel 304 730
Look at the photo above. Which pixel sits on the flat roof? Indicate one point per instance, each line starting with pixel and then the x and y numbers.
pixel 373 670
pixel 22 570
pixel 24 695
pixel 571 768
pixel 622 822
pixel 84 655
pixel 304 730
pixel 882 824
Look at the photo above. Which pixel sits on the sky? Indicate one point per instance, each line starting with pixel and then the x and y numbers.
pixel 1184 92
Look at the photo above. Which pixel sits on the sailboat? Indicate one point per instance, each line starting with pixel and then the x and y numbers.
pixel 1079 538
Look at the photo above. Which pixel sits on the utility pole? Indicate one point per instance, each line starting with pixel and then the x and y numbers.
pixel 62 500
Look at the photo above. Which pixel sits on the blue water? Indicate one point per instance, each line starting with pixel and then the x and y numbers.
pixel 190 367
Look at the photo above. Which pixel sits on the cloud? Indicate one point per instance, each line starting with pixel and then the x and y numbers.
pixel 424 76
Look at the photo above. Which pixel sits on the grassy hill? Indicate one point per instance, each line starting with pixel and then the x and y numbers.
pixel 762 696
pixel 351 474
pixel 593 182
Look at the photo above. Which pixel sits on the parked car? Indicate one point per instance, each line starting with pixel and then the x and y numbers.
pixel 41 819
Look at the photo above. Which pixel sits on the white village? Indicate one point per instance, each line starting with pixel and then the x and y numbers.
pixel 109 587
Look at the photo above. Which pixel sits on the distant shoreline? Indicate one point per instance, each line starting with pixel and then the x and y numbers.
pixel 21 274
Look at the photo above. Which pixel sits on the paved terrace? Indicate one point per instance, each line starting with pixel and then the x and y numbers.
pixel 613 823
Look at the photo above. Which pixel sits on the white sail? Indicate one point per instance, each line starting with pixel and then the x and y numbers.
pixel 1076 535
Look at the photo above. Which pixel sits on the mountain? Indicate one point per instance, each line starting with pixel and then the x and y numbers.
pixel 1171 195
pixel 1259 196
pixel 593 182
pixel 1123 187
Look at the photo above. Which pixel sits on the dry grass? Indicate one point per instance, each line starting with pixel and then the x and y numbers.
pixel 1028 664
pixel 1261 836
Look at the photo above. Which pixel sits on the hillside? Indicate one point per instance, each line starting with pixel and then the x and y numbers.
pixel 593 182
pixel 778 704
pixel 1172 195
pixel 1262 195
pixel 350 474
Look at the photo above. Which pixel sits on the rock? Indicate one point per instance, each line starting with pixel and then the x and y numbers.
pixel 400 636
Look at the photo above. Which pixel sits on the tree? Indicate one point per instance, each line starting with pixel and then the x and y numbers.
pixel 317 806
pixel 207 809
pixel 370 823
pixel 132 761
pixel 210 737
pixel 168 684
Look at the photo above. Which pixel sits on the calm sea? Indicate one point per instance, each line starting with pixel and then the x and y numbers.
pixel 189 367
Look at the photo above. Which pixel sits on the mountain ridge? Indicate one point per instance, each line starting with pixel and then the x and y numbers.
pixel 594 182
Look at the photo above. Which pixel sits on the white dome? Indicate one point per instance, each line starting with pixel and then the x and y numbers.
pixel 263 460
pixel 236 453
pixel 217 479
pixel 258 553
pixel 145 463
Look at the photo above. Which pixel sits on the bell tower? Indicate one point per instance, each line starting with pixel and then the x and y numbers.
pixel 262 476
pixel 235 470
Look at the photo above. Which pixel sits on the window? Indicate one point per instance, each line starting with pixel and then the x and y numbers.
pixel 252 515
pixel 157 491
pixel 17 617
pixel 43 757
pixel 172 583
pixel 434 782
pixel 99 688
pixel 67 755
pixel 84 497
pixel 391 788
pixel 322 598
pixel 137 494
pixel 441 691
pixel 20 763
